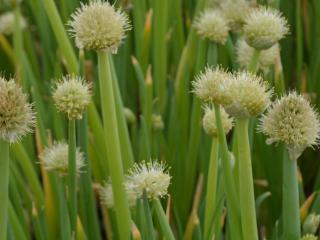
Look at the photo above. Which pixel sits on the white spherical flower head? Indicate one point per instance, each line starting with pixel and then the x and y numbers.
pixel 151 178
pixel 98 26
pixel 264 27
pixel 72 96
pixel 212 25
pixel 16 115
pixel 250 95
pixel 106 194
pixel 7 23
pixel 294 122
pixel 267 57
pixel 209 121
pixel 211 85
pixel 235 12
pixel 309 237
pixel 311 223
pixel 55 158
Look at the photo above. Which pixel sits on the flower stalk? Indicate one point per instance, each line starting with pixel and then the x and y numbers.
pixel 164 224
pixel 4 188
pixel 290 199
pixel 211 194
pixel 246 193
pixel 234 212
pixel 113 145
pixel 253 65
pixel 72 177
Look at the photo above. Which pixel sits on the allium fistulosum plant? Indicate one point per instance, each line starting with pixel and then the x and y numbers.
pixel 158 119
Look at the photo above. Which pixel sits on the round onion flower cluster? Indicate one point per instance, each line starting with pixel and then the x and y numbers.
pixel 250 95
pixel 72 96
pixel 264 27
pixel 98 26
pixel 150 178
pixel 212 25
pixel 56 158
pixel 294 122
pixel 16 114
pixel 212 84
pixel 209 121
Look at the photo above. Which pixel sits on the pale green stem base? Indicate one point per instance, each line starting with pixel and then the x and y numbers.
pixel 253 66
pixel 211 187
pixel 4 188
pixel 72 178
pixel 290 198
pixel 164 224
pixel 232 199
pixel 113 146
pixel 246 191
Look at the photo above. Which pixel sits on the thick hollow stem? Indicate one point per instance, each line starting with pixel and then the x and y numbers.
pixel 246 193
pixel 163 221
pixel 4 188
pixel 113 146
pixel 290 198
pixel 253 66
pixel 72 178
pixel 232 199
pixel 61 35
pixel 211 187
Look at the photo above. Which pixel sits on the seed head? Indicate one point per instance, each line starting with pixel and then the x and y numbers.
pixel 235 12
pixel 267 57
pixel 209 121
pixel 72 96
pixel 212 25
pixel 211 85
pixel 16 114
pixel 294 122
pixel 7 23
pixel 106 194
pixel 309 237
pixel 55 158
pixel 151 178
pixel 250 95
pixel 311 223
pixel 98 26
pixel 264 27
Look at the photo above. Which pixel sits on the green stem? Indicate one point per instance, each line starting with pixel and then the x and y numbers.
pixel 4 188
pixel 148 218
pixel 299 45
pixel 211 187
pixel 87 204
pixel 72 178
pixel 160 50
pixel 246 193
pixel 16 226
pixel 290 198
pixel 253 66
pixel 164 224
pixel 232 199
pixel 124 137
pixel 113 146
pixel 61 36
pixel 212 54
